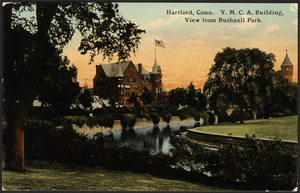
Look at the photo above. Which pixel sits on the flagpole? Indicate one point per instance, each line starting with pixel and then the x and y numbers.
pixel 155 48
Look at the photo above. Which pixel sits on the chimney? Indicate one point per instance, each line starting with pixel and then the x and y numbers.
pixel 140 69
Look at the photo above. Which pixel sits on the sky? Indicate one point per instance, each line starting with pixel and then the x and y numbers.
pixel 192 46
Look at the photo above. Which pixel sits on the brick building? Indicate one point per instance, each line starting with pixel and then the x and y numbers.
pixel 119 80
pixel 287 68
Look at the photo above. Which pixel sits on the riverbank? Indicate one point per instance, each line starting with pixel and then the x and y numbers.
pixel 117 125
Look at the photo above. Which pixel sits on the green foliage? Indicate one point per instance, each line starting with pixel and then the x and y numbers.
pixel 223 117
pixel 155 117
pixel 211 118
pixel 241 77
pixel 277 114
pixel 204 115
pixel 236 116
pixel 167 117
pixel 128 120
pixel 104 120
pixel 258 165
pixel 190 96
pixel 86 99
pixel 146 96
pixel 58 88
pixel 177 97
pixel 192 156
pixel 133 99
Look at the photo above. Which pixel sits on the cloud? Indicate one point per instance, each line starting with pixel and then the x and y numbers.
pixel 225 38
pixel 244 26
pixel 294 7
pixel 272 28
pixel 168 21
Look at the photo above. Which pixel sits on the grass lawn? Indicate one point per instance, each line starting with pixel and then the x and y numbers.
pixel 42 175
pixel 283 127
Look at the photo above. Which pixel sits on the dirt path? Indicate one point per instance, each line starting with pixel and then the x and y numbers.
pixel 117 125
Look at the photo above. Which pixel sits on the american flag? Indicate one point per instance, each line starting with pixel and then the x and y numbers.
pixel 159 43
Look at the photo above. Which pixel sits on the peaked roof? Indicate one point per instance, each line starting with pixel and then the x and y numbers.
pixel 154 68
pixel 117 69
pixel 286 61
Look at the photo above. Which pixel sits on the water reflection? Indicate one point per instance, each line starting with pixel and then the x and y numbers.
pixel 152 139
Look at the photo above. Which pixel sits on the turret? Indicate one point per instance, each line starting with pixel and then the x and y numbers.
pixel 287 68
pixel 156 78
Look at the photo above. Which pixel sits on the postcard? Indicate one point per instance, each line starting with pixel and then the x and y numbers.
pixel 150 96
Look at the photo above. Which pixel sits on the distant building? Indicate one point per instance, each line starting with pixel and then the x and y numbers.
pixel 117 81
pixel 287 68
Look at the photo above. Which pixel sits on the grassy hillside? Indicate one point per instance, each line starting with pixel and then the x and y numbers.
pixel 283 127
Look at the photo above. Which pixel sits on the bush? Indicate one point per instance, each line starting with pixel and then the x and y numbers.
pixel 211 118
pixel 38 135
pixel 235 116
pixel 223 117
pixel 277 114
pixel 155 118
pixel 167 117
pixel 196 115
pixel 182 116
pixel 259 165
pixel 128 120
pixel 204 116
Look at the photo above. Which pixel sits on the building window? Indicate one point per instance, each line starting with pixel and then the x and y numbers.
pixel 121 93
pixel 120 79
pixel 287 68
pixel 127 94
pixel 156 90
pixel 135 87
pixel 120 86
pixel 127 86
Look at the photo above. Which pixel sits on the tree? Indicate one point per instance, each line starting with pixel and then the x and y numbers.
pixel 194 98
pixel 103 31
pixel 177 97
pixel 146 96
pixel 86 99
pixel 133 99
pixel 59 88
pixel 240 78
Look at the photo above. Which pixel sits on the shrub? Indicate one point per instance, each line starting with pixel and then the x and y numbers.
pixel 124 121
pixel 67 145
pixel 38 135
pixel 211 118
pixel 182 116
pixel 128 120
pixel 277 114
pixel 235 116
pixel 132 120
pixel 155 118
pixel 167 117
pixel 204 116
pixel 223 117
pixel 259 165
pixel 196 115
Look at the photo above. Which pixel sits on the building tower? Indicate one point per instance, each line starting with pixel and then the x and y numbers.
pixel 156 78
pixel 287 68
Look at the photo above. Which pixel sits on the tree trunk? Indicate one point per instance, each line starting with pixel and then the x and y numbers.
pixel 15 146
pixel 17 107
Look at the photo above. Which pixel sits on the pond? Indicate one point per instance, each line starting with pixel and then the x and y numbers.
pixel 150 138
